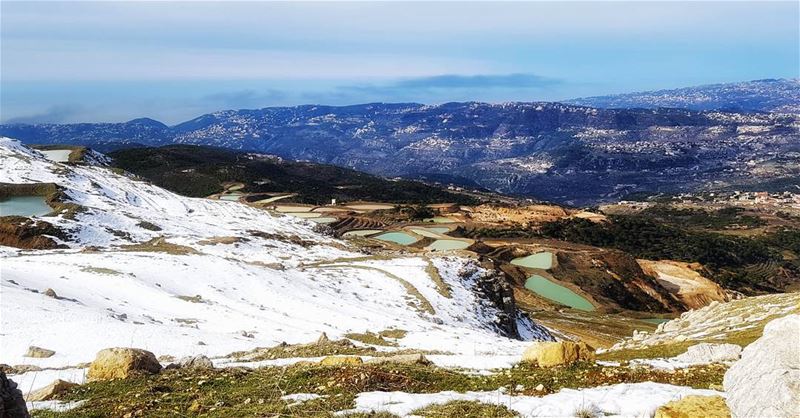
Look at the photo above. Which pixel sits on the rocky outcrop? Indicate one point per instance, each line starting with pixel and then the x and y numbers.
pixel 12 404
pixel 549 354
pixel 39 352
pixel 120 363
pixel 707 353
pixel 615 280
pixel 51 391
pixel 719 321
pixel 685 282
pixel 766 381
pixel 694 406
pixel 30 234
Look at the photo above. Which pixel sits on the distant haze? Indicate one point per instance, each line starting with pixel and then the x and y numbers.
pixel 171 61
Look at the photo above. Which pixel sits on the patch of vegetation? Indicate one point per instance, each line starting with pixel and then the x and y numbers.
pixel 719 219
pixel 159 244
pixel 102 270
pixel 192 299
pixel 726 257
pixel 244 392
pixel 437 279
pixel 465 409
pixel 320 348
pixel 370 338
pixel 148 226
pixel 201 171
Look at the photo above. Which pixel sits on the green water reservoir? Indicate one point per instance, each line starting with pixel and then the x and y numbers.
pixel 448 244
pixel 543 260
pixel 361 232
pixel 24 206
pixel 397 237
pixel 557 293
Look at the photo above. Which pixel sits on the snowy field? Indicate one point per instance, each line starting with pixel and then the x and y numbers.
pixel 240 278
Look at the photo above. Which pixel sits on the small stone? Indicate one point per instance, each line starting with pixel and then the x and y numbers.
pixel 50 293
pixel 539 387
pixel 195 362
pixel 341 361
pixel 50 391
pixel 39 352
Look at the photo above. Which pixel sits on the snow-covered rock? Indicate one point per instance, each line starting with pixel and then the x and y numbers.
pixel 766 381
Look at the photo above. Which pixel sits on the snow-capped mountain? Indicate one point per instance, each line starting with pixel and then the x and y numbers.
pixel 559 152
pixel 769 95
pixel 143 267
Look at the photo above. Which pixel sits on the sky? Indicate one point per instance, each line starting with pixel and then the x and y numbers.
pixel 172 61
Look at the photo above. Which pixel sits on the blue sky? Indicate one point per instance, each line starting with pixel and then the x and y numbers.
pixel 172 61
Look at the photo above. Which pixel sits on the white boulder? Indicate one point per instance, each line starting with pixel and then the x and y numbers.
pixel 765 382
pixel 707 353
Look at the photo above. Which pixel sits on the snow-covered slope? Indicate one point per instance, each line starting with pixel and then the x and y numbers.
pixel 215 277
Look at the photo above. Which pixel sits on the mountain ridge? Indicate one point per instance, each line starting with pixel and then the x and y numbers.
pixel 566 153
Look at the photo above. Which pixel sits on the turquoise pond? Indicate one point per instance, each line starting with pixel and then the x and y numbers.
pixel 557 293
pixel 361 232
pixel 24 206
pixel 397 237
pixel 542 261
pixel 448 244
pixel 323 220
pixel 425 233
pixel 656 320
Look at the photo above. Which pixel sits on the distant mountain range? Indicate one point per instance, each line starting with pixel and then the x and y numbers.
pixel 768 95
pixel 561 152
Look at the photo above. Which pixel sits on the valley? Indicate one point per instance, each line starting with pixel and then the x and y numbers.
pixel 306 301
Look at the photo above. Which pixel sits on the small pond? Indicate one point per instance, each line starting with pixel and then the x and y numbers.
pixel 448 244
pixel 24 206
pixel 362 232
pixel 232 197
pixel 323 220
pixel 57 155
pixel 304 214
pixel 294 208
pixel 397 237
pixel 655 320
pixel 424 232
pixel 557 293
pixel 542 261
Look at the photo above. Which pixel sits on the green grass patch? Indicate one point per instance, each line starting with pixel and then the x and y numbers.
pixel 245 392
pixel 465 409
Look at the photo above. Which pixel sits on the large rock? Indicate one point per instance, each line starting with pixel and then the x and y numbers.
pixel 50 391
pixel 707 353
pixel 694 406
pixel 765 382
pixel 12 404
pixel 120 363
pixel 548 354
pixel 39 352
